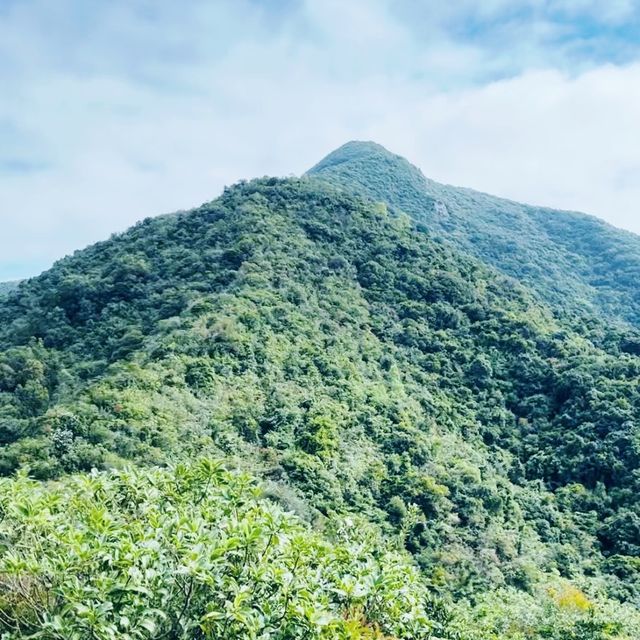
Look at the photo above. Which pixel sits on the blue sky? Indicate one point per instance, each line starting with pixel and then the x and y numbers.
pixel 111 111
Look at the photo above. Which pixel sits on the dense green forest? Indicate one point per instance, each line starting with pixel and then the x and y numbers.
pixel 572 261
pixel 407 416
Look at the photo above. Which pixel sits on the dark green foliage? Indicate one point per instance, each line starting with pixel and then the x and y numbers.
pixel 573 261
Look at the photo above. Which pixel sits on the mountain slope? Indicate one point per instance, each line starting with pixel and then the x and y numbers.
pixel 573 261
pixel 356 365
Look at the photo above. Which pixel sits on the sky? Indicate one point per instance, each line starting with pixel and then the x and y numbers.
pixel 115 110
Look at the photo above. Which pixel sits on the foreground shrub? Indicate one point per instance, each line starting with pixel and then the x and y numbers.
pixel 191 552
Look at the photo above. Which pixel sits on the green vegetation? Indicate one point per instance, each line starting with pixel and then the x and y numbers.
pixel 353 363
pixel 192 553
pixel 573 261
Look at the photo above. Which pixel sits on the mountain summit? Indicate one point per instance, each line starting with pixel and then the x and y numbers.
pixel 573 261
pixel 361 150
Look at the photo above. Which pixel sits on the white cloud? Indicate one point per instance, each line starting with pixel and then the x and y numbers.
pixel 124 116
pixel 541 137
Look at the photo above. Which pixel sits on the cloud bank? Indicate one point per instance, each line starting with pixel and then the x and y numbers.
pixel 114 111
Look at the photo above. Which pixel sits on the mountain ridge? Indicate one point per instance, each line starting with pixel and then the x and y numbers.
pixel 559 254
pixel 365 148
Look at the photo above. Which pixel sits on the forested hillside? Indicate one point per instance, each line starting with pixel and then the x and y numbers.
pixel 573 261
pixel 355 363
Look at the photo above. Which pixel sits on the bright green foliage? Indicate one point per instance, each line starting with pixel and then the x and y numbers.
pixel 192 552
pixel 573 261
pixel 558 612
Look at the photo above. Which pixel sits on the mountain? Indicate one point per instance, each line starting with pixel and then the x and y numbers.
pixel 572 261
pixel 366 371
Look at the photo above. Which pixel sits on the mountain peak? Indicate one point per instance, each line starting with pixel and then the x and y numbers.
pixel 363 145
pixel 544 249
pixel 355 151
pixel 371 169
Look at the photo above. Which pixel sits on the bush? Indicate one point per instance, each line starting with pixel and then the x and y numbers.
pixel 191 552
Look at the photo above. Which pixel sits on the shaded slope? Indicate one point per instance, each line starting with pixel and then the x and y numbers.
pixel 573 261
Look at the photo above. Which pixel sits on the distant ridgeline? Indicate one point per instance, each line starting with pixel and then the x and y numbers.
pixel 571 260
pixel 371 370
